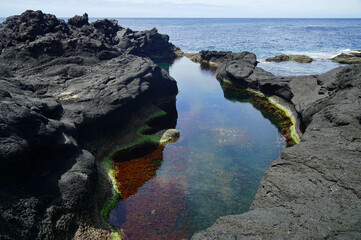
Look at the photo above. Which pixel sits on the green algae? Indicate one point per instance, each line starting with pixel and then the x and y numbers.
pixel 351 58
pixel 145 139
pixel 286 58
pixel 170 139
pixel 265 104
pixel 210 64
pixel 293 134
pixel 159 114
pixel 109 206
pixel 204 63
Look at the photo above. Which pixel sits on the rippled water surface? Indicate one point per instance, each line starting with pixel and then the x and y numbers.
pixel 320 39
pixel 213 170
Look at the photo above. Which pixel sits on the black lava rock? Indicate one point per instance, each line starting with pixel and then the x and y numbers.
pixel 63 85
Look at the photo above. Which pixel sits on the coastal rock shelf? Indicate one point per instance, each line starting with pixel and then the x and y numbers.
pixel 71 92
pixel 286 58
pixel 312 191
pixel 348 58
pixel 66 87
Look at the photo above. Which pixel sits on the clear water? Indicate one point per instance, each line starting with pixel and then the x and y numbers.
pixel 213 170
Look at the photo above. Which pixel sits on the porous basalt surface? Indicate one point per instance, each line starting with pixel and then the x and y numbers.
pixel 66 87
pixel 312 190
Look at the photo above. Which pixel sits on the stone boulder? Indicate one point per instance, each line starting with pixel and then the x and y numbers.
pixel 171 135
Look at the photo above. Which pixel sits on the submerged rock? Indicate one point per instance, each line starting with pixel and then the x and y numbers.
pixel 348 58
pixel 286 58
pixel 171 135
pixel 63 86
pixel 316 181
pixel 227 136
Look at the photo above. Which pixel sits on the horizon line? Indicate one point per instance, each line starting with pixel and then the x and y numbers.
pixel 210 17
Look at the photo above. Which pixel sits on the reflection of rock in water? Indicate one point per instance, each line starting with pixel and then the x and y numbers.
pixel 228 136
pixel 118 216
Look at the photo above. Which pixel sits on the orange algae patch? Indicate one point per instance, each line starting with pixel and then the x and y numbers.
pixel 158 210
pixel 131 175
pixel 154 213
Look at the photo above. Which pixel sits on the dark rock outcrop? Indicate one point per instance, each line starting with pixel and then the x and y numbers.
pixel 348 58
pixel 286 58
pixel 214 57
pixel 39 35
pixel 62 87
pixel 312 190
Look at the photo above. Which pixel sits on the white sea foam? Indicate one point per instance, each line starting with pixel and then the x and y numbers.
pixel 318 56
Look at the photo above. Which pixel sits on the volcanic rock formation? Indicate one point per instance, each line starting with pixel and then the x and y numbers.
pixel 64 85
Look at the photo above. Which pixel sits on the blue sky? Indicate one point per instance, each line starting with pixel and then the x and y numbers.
pixel 189 8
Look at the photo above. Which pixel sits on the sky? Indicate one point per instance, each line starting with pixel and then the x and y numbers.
pixel 189 8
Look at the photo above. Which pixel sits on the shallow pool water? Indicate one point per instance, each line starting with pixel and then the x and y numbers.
pixel 214 169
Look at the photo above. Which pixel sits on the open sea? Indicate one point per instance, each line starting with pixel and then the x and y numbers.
pixel 318 38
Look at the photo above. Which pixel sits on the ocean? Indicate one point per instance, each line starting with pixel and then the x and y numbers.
pixel 320 39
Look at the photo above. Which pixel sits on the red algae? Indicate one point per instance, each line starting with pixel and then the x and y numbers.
pixel 154 212
pixel 131 175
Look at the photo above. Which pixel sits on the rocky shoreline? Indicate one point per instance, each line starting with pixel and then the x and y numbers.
pixel 66 87
pixel 71 92
pixel 312 190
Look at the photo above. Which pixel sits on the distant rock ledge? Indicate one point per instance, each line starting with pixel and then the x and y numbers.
pixel 286 58
pixel 348 58
pixel 210 58
pixel 312 190
pixel 69 92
